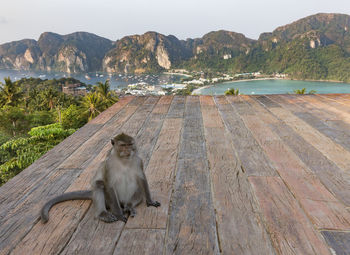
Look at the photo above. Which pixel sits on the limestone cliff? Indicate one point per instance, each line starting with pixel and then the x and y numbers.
pixel 73 53
pixel 148 52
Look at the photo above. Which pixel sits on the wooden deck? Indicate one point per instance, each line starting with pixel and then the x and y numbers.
pixel 235 175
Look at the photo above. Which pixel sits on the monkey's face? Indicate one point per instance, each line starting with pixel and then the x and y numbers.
pixel 125 149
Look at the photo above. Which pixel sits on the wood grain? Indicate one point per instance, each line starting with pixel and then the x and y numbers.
pixel 338 241
pixel 191 228
pixel 240 229
pixel 303 184
pixel 130 242
pixel 325 123
pixel 253 159
pixel 289 228
pixel 332 150
pixel 335 179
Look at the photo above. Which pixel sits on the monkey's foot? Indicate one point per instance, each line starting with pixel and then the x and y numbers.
pixel 122 218
pixel 153 203
pixel 131 211
pixel 107 217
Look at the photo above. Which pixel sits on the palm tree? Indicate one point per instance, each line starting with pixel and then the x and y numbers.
pixel 10 93
pixel 92 105
pixel 303 91
pixel 232 91
pixel 108 97
pixel 50 98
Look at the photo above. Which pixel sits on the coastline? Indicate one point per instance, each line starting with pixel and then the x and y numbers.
pixel 259 79
pixel 275 78
pixel 180 74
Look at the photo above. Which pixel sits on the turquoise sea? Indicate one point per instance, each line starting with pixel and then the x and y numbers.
pixel 275 87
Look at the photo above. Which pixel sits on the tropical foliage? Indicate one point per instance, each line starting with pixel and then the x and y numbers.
pixel 232 91
pixel 21 152
pixel 35 115
pixel 303 91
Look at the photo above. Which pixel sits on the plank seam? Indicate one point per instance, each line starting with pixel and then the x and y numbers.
pixel 303 209
pixel 259 216
pixel 307 167
pixel 174 178
pixel 75 229
pixel 207 165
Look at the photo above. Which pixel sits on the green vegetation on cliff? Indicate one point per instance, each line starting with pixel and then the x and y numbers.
pixel 315 47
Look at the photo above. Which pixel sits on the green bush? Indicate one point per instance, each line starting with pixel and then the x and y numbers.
pixel 19 153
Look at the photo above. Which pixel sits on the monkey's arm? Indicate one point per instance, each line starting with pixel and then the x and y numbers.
pixel 115 205
pixel 102 193
pixel 76 195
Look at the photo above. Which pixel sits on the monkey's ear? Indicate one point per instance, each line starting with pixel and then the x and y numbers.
pixel 112 141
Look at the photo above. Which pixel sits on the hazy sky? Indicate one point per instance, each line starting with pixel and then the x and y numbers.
pixel 114 19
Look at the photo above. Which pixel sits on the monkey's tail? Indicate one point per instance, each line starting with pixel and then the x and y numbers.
pixel 75 195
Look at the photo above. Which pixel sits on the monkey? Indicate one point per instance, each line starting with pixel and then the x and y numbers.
pixel 118 186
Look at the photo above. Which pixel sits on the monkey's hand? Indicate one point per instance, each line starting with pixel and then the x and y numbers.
pixel 153 203
pixel 122 218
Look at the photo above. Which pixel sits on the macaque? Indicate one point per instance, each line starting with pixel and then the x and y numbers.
pixel 117 187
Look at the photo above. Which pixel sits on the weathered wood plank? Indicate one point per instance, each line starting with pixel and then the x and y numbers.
pixel 253 159
pixel 148 135
pixel 336 130
pixel 65 217
pixel 334 108
pixel 191 228
pixel 136 126
pixel 300 180
pixel 177 108
pixel 338 241
pixel 240 229
pixel 335 179
pixel 332 150
pixel 289 228
pixel 343 106
pixel 130 241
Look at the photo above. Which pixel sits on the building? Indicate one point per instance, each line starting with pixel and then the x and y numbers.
pixel 74 89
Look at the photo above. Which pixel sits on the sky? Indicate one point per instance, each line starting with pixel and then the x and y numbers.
pixel 114 19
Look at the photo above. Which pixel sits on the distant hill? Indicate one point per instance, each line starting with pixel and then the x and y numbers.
pixel 315 47
pixel 73 53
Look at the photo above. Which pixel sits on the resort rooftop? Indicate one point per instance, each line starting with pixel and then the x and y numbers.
pixel 234 175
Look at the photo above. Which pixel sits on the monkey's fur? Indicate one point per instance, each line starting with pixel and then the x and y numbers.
pixel 117 187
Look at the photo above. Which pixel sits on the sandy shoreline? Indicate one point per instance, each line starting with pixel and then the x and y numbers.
pixel 259 79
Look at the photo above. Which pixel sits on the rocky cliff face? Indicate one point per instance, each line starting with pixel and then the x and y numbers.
pixel 148 52
pixel 318 30
pixel 78 52
pixel 153 52
pixel 224 44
